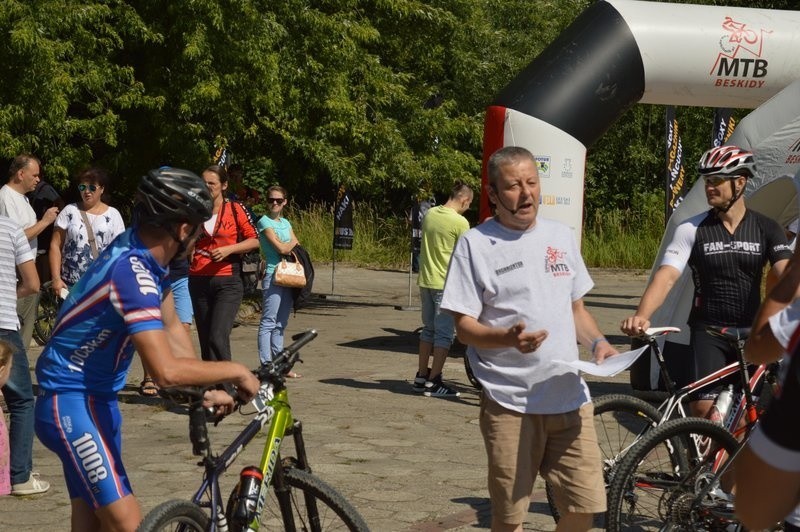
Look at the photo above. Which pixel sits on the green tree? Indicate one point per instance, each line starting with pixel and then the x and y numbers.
pixel 65 88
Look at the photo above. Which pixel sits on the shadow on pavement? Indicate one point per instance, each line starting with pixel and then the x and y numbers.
pixel 402 387
pixel 396 341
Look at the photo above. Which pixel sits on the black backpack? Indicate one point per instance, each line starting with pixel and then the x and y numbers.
pixel 302 296
pixel 251 267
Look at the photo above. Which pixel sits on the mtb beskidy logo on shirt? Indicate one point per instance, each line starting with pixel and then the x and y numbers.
pixel 555 263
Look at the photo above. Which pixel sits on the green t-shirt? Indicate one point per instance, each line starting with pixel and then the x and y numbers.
pixel 441 228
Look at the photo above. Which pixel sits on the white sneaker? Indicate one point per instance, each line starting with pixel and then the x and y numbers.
pixel 32 487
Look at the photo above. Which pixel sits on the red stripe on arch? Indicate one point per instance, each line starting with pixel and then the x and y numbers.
pixel 493 140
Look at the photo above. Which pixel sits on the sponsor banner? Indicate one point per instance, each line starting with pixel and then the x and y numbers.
pixel 713 56
pixel 723 126
pixel 343 232
pixel 561 160
pixel 675 180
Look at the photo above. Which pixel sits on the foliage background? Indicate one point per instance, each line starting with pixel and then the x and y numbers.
pixel 384 96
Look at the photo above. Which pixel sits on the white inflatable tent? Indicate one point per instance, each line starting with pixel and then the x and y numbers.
pixel 620 52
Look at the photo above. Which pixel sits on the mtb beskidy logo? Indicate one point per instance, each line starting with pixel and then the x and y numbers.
pixel 554 262
pixel 739 62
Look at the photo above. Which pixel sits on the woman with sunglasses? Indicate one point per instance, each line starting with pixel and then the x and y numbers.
pixel 277 238
pixel 82 230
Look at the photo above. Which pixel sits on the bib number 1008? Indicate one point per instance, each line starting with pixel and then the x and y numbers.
pixel 92 462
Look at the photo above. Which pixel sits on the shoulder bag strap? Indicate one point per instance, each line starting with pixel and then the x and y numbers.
pixel 89 233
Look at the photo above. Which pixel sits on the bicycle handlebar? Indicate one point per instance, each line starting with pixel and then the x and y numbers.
pixel 276 369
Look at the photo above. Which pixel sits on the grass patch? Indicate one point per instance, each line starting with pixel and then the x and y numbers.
pixel 612 238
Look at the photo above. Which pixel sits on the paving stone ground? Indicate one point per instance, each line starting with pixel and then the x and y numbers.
pixel 407 462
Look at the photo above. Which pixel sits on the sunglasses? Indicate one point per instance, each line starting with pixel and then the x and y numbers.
pixel 716 180
pixel 82 187
pixel 278 201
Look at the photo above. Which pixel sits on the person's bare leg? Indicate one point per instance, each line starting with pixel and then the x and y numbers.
pixel 439 357
pixel 701 408
pixel 123 515
pixel 573 522
pixel 83 518
pixel 505 527
pixel 425 349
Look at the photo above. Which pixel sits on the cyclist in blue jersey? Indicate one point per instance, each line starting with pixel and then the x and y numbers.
pixel 123 302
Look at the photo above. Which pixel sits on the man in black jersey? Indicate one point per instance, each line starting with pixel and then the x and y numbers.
pixel 726 249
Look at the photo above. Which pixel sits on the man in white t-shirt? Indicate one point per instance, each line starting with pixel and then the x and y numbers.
pixel 23 176
pixel 515 286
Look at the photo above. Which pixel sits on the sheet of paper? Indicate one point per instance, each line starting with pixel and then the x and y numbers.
pixel 610 366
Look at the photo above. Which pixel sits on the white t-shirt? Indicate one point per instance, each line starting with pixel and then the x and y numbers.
pixel 14 250
pixel 17 207
pixel 500 277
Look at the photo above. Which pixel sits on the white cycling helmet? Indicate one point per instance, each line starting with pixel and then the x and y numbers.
pixel 728 161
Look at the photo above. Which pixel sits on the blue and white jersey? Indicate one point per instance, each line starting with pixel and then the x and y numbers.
pixel 119 295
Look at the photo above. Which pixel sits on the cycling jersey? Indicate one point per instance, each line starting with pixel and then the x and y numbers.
pixel 119 295
pixel 726 268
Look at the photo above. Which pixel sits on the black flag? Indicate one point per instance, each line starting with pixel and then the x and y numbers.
pixel 723 126
pixel 675 181
pixel 343 220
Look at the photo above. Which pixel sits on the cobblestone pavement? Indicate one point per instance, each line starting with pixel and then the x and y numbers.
pixel 407 462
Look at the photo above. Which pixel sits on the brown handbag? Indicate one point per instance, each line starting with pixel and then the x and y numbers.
pixel 290 274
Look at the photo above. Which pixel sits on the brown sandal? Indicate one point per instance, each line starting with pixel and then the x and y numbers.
pixel 148 388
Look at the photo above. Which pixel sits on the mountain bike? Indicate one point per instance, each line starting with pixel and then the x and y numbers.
pixel 279 493
pixel 677 476
pixel 621 421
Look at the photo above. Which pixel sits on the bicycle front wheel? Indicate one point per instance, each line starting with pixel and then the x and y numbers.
pixel 175 516
pixel 670 480
pixel 313 504
pixel 619 421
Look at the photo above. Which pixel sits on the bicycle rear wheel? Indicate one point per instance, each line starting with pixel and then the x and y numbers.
pixel 175 516
pixel 619 421
pixel 314 506
pixel 661 482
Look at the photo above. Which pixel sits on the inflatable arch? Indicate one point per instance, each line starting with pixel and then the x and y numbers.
pixel 620 52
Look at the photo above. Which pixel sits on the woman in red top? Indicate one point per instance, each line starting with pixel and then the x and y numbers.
pixel 215 283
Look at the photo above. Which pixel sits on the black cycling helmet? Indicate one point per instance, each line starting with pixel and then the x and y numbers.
pixel 727 161
pixel 169 195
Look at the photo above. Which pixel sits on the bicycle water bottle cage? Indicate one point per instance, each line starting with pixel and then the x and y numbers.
pixel 198 431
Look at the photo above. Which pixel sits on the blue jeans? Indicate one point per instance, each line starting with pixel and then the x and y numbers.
pixel 438 328
pixel 18 392
pixel 276 306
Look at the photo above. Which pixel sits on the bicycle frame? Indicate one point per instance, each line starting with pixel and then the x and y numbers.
pixel 676 396
pixel 278 414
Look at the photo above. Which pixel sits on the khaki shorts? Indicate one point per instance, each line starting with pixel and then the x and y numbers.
pixel 562 447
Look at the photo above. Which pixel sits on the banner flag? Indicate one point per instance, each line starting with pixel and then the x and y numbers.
pixel 343 220
pixel 221 157
pixel 724 124
pixel 675 181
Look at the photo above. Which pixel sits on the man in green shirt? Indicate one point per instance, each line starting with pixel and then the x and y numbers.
pixel 441 228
